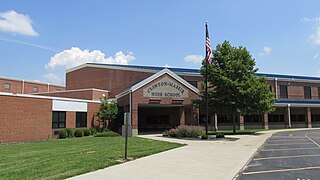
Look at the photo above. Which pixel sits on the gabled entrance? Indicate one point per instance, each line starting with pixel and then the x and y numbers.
pixel 162 101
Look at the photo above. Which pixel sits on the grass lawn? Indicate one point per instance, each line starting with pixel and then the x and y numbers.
pixel 58 159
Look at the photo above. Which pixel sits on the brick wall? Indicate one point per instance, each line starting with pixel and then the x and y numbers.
pixel 24 119
pixel 114 80
pixel 16 86
pixel 88 94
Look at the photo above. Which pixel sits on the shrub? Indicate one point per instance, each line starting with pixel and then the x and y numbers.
pixel 107 134
pixel 69 132
pixel 220 135
pixel 185 131
pixel 93 130
pixel 63 134
pixel 204 136
pixel 170 133
pixel 78 133
pixel 86 132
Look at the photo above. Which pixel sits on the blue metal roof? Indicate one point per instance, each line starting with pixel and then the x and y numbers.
pixel 298 102
pixel 196 71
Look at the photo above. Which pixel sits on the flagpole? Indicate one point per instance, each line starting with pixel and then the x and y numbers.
pixel 206 82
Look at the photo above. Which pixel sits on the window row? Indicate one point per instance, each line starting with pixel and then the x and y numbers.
pixel 7 86
pixel 59 119
pixel 306 90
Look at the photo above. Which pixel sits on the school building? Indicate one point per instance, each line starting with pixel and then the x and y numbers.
pixel 157 98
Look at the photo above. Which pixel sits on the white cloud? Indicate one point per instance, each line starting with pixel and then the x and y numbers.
pixel 315 36
pixel 74 56
pixel 167 66
pixel 265 51
pixel 196 59
pixel 11 21
pixel 53 78
pixel 316 55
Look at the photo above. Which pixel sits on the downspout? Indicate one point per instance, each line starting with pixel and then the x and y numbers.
pixel 276 87
pixel 22 88
pixel 130 105
pixel 289 116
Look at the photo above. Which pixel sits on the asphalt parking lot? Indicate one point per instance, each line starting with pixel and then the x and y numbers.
pixel 286 155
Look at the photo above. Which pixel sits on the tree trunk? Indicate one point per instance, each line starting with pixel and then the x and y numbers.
pixel 234 124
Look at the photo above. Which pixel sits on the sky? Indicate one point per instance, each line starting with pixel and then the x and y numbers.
pixel 39 39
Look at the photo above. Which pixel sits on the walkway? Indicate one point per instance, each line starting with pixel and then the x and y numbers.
pixel 220 159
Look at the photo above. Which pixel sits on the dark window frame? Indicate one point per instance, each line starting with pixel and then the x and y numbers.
pixel 307 92
pixel 284 91
pixel 275 118
pixel 81 119
pixel 59 120
pixel 7 84
pixel 35 89
pixel 298 117
pixel 193 83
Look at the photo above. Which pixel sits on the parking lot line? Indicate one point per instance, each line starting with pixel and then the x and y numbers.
pixel 283 157
pixel 281 170
pixel 287 149
pixel 287 144
pixel 288 139
pixel 312 140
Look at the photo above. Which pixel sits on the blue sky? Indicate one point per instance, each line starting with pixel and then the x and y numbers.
pixel 40 39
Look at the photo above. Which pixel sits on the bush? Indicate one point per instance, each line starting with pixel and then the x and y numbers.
pixel 63 134
pixel 69 132
pixel 204 137
pixel 220 135
pixel 107 134
pixel 185 131
pixel 78 133
pixel 86 132
pixel 93 130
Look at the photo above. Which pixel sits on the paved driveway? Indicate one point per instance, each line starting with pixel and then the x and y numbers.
pixel 286 155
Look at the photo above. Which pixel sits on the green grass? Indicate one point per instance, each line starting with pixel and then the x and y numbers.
pixel 59 159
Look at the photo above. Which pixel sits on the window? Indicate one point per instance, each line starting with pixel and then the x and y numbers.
pixel 283 91
pixel 297 117
pixel 226 119
pixel 193 83
pixel 319 92
pixel 7 86
pixel 276 118
pixel 254 118
pixel 307 92
pixel 81 119
pixel 315 117
pixel 58 119
pixel 34 89
pixel 270 88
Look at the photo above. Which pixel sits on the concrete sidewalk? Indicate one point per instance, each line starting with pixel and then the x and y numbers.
pixel 220 159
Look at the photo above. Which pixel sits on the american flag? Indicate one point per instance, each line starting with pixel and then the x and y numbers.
pixel 208 48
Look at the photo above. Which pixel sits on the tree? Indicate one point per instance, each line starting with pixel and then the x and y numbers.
pixel 108 111
pixel 233 88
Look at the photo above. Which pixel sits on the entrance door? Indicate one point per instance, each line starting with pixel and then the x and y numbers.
pixel 157 118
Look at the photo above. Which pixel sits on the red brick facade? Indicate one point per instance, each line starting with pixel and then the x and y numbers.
pixel 114 80
pixel 88 94
pixel 25 118
pixel 26 87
